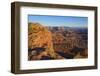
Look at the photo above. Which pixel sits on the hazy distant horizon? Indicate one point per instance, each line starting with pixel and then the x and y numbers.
pixel 59 21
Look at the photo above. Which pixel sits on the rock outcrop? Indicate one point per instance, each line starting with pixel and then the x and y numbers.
pixel 38 38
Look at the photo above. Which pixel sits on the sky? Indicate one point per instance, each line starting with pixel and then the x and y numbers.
pixel 66 21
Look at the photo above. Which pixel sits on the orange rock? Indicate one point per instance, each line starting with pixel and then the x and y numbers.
pixel 39 36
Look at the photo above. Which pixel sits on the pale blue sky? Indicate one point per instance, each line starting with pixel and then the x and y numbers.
pixel 67 21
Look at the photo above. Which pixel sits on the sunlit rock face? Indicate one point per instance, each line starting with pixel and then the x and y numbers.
pixel 38 38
